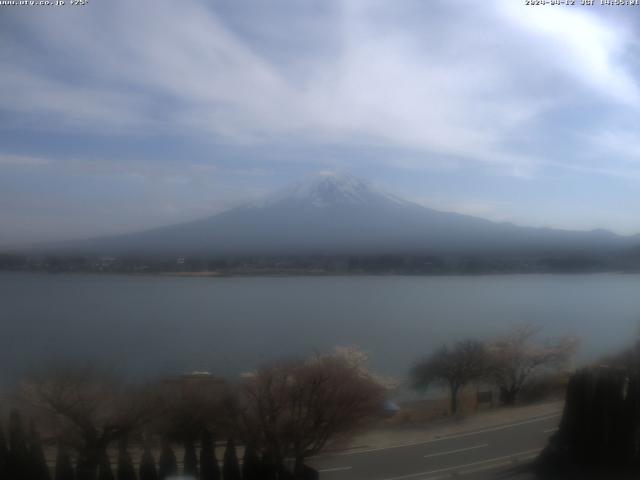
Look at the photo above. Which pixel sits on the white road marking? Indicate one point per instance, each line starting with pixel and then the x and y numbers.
pixel 549 430
pixel 450 437
pixel 336 469
pixel 466 465
pixel 456 451
pixel 484 468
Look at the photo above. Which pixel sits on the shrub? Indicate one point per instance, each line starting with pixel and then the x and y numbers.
pixel 168 464
pixel 209 469
pixel 148 466
pixel 231 467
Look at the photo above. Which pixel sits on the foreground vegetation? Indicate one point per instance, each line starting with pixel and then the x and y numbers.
pixel 103 427
pixel 599 433
pixel 281 414
pixel 507 363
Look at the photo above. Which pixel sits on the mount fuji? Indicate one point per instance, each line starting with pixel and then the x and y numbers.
pixel 340 214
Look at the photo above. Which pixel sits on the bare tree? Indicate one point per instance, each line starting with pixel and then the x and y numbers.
pixel 295 409
pixel 357 358
pixel 516 357
pixel 193 403
pixel 455 366
pixel 89 408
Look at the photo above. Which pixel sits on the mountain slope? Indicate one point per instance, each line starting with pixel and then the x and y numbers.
pixel 334 214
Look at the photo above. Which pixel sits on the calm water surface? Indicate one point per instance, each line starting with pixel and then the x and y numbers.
pixel 229 325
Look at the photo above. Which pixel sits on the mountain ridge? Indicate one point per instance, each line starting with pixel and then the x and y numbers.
pixel 332 214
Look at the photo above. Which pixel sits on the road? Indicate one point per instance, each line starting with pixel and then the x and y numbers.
pixel 478 455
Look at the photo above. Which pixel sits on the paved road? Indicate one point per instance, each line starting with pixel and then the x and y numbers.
pixel 480 455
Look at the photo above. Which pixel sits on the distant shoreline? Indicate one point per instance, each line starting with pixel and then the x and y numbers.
pixel 283 274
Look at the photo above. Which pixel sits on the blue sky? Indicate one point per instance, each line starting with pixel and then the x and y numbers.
pixel 118 116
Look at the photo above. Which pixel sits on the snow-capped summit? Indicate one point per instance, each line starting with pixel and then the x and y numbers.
pixel 327 189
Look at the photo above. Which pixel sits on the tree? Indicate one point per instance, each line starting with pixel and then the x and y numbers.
pixel 230 466
pixel 37 463
pixel 514 358
pixel 125 470
pixel 209 469
pixel 87 465
pixel 104 468
pixel 294 410
pixel 168 464
pixel 456 366
pixel 190 461
pixel 93 408
pixel 148 466
pixel 597 436
pixel 18 458
pixel 251 467
pixel 268 466
pixel 64 469
pixel 358 359
pixel 4 456
pixel 191 403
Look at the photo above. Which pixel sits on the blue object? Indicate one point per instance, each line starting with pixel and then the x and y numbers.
pixel 390 408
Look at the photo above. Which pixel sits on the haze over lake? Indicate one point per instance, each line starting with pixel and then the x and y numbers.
pixel 153 324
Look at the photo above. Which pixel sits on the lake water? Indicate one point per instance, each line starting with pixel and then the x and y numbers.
pixel 148 324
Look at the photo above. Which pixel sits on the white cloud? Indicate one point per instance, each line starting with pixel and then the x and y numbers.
pixel 468 87
pixel 475 207
pixel 585 46
pixel 623 144
pixel 22 161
